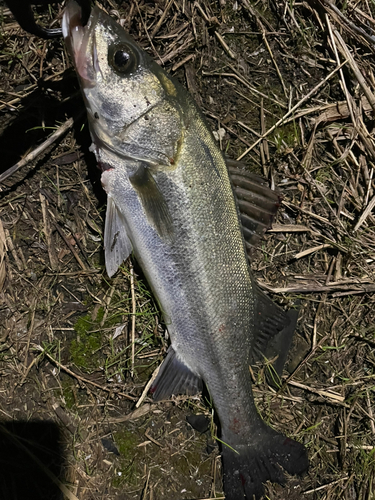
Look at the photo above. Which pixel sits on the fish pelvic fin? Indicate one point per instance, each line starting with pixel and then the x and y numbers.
pixel 175 377
pixel 246 468
pixel 153 202
pixel 117 246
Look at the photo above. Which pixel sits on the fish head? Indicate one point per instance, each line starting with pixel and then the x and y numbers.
pixel 133 106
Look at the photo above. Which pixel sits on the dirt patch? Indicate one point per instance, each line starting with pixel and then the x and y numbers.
pixel 287 87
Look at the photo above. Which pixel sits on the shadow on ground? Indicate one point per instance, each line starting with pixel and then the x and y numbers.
pixel 31 461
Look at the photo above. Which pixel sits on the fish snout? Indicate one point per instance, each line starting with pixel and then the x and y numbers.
pixel 79 40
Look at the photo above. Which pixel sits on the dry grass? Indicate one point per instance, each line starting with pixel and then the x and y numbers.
pixel 289 88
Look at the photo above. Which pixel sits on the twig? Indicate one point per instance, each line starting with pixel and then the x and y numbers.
pixel 288 228
pixel 317 288
pixel 271 55
pixel 264 153
pixel 147 434
pixel 161 20
pixel 200 8
pixel 9 243
pixel 64 417
pixel 353 65
pixel 347 22
pixel 29 333
pixel 144 493
pixel 333 396
pixel 138 413
pixel 343 82
pixel 174 52
pixel 147 33
pixel 312 250
pixel 107 301
pixel 133 316
pixel 147 387
pixel 225 45
pixel 48 232
pixel 300 209
pixel 244 82
pixel 370 412
pixel 326 485
pixel 37 151
pixel 213 498
pixel 182 62
pixel 365 214
pixel 70 246
pixel 3 253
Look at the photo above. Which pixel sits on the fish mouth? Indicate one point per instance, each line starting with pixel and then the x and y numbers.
pixel 80 43
pixel 104 167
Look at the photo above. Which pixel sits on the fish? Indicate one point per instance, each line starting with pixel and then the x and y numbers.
pixel 189 216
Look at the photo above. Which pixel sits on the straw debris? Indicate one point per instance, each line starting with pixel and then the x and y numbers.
pixel 290 89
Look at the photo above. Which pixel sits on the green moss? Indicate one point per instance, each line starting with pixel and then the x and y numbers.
pixel 84 350
pixel 126 442
pixel 126 472
pixel 323 174
pixel 68 393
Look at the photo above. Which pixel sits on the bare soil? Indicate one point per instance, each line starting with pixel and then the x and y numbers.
pixel 288 88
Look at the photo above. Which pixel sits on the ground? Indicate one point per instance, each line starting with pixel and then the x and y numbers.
pixel 289 89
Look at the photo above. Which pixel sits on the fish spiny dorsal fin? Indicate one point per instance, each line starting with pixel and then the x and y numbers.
pixel 117 246
pixel 174 377
pixel 153 202
pixel 257 203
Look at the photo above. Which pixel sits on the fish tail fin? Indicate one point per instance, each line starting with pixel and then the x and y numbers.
pixel 246 468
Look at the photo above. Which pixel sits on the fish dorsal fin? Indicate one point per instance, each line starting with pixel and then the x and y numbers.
pixel 256 202
pixel 274 331
pixel 174 377
pixel 117 246
pixel 153 202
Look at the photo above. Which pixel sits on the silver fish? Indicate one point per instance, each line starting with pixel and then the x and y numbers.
pixel 171 202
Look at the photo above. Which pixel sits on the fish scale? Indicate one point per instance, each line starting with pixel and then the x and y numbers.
pixel 171 202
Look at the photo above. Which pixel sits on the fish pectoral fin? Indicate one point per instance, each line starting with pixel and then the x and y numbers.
pixel 274 332
pixel 174 377
pixel 117 246
pixel 153 202
pixel 256 202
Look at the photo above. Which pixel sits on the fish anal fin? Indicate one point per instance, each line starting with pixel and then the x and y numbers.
pixel 174 377
pixel 153 202
pixel 249 466
pixel 257 203
pixel 117 246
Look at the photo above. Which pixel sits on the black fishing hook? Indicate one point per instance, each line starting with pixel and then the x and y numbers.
pixel 21 9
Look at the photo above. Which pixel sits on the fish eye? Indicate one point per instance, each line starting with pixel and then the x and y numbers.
pixel 122 59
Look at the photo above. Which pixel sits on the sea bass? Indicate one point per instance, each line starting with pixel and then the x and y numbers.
pixel 171 202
